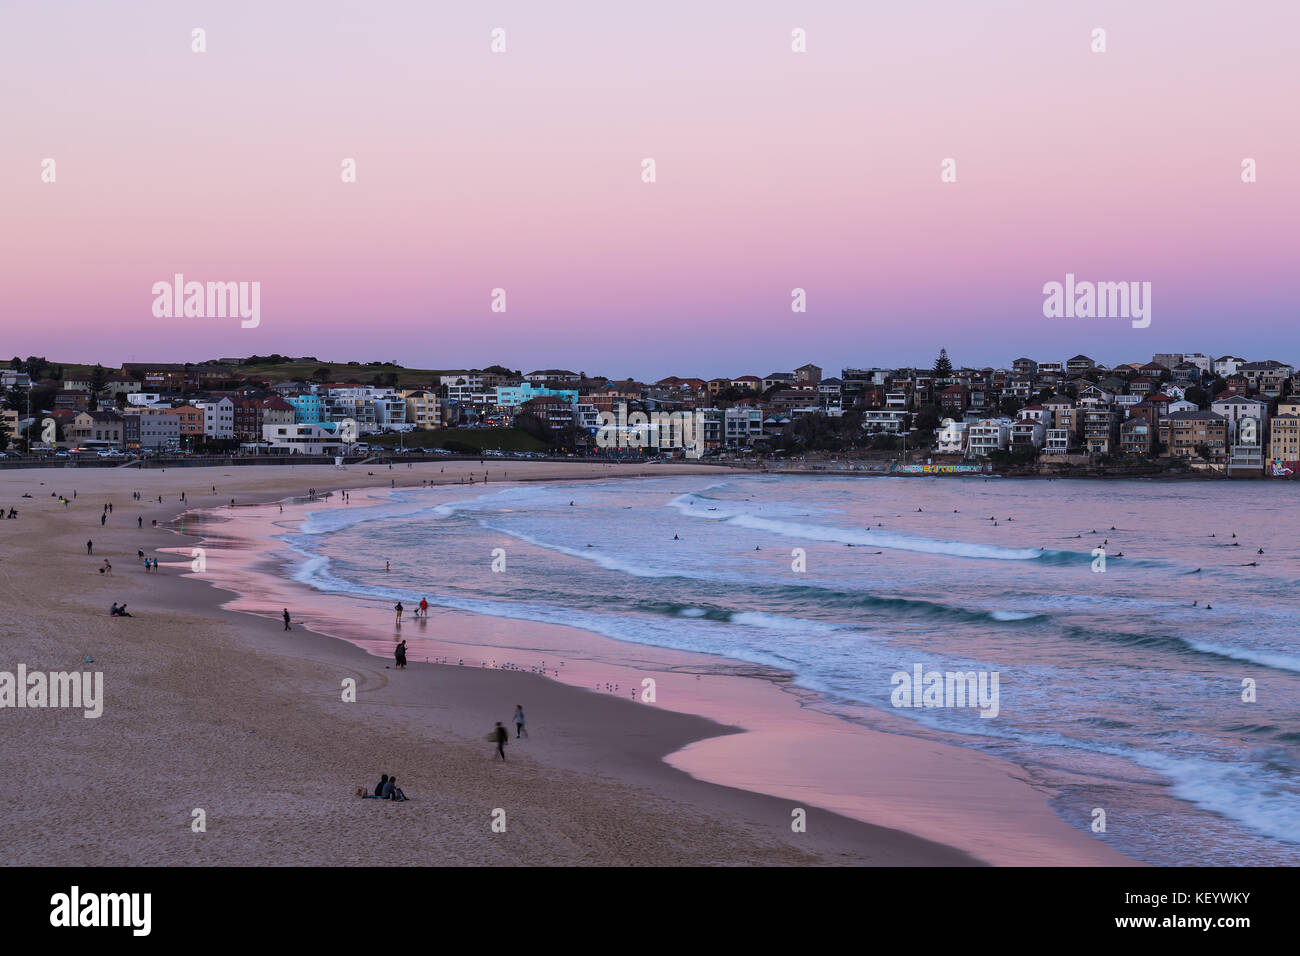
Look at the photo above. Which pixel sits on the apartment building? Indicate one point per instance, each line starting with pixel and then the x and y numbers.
pixel 1284 440
pixel 302 439
pixel 97 428
pixel 741 425
pixel 1137 436
pixel 1182 433
pixel 951 437
pixel 987 436
pixel 509 397
pixel 218 418
pixel 190 421
pixel 1101 429
pixel 1027 434
pixel 1236 407
pixel 422 409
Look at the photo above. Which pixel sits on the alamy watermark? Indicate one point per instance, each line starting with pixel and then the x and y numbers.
pixel 82 689
pixel 197 300
pixel 129 910
pixel 1100 300
pixel 922 688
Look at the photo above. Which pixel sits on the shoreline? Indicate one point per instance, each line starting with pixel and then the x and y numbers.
pixel 609 780
pixel 775 721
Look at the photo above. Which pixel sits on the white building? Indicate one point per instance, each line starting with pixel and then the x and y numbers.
pixel 1235 408
pixel 1228 365
pixel 742 425
pixel 988 435
pixel 951 438
pixel 302 439
pixel 1028 434
pixel 883 419
pixel 1057 441
pixel 218 418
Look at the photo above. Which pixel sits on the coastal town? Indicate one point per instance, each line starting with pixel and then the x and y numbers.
pixel 1189 413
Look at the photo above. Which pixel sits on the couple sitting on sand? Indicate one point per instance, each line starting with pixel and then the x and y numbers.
pixel 385 790
pixel 116 611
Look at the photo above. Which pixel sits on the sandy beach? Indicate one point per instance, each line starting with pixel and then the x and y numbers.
pixel 210 704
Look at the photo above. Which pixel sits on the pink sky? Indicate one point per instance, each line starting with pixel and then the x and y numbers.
pixel 522 170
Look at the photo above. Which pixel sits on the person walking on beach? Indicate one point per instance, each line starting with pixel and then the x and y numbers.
pixel 90 547
pixel 400 653
pixel 398 608
pixel 286 620
pixel 424 608
pixel 519 721
pixel 139 522
pixel 103 518
pixel 502 735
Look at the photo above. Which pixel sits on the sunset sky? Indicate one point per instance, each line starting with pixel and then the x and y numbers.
pixel 775 170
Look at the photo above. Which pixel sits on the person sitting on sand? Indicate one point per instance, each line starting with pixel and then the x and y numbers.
pixel 112 611
pixel 379 787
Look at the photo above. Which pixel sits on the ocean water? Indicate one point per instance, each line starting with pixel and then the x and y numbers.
pixel 1119 687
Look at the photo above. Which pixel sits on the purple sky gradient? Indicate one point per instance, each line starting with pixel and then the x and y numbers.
pixel 775 170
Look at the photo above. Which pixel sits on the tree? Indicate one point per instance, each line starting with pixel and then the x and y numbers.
pixel 929 417
pixel 1010 405
pixel 942 366
pixel 98 384
pixel 534 425
pixel 34 366
pixel 42 397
